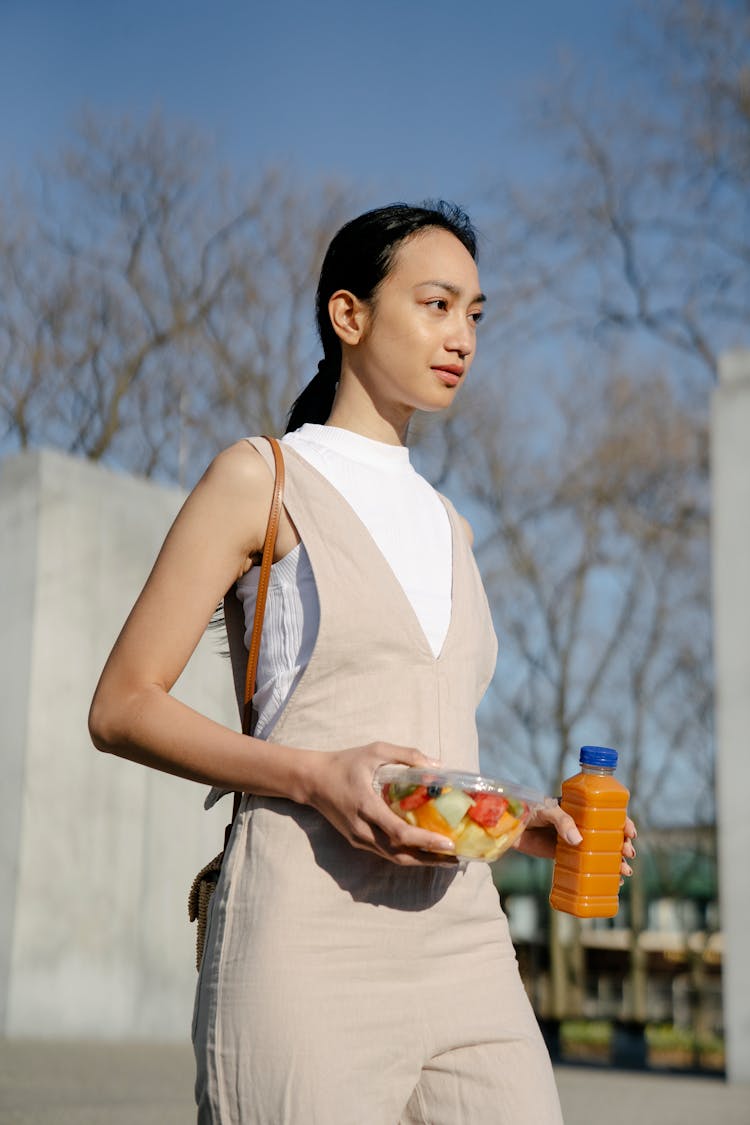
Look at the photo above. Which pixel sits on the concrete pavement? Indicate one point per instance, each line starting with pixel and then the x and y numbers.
pixel 610 1097
pixel 63 1083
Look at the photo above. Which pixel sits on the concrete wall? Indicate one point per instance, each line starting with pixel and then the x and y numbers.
pixel 97 853
pixel 730 451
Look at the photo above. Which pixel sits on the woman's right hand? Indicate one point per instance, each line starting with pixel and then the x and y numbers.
pixel 341 789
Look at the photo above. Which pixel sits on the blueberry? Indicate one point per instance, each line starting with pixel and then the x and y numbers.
pixel 434 790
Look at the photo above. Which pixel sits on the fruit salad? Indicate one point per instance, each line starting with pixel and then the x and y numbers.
pixel 482 817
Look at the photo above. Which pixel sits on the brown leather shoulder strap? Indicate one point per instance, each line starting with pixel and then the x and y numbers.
pixel 269 545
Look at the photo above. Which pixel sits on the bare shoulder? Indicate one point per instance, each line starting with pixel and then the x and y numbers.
pixel 227 510
pixel 239 467
pixel 238 479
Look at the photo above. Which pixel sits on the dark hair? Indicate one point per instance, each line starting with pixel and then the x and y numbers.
pixel 359 258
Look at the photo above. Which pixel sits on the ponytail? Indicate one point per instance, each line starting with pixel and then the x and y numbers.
pixel 315 402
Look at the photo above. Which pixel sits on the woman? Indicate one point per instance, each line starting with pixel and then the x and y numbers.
pixel 350 975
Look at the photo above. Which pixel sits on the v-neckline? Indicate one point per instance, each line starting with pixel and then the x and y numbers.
pixel 386 567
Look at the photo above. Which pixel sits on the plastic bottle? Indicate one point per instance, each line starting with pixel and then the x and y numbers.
pixel 586 879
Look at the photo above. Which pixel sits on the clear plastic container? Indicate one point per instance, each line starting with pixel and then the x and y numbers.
pixel 482 816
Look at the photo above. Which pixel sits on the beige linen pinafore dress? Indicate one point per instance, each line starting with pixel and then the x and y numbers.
pixel 337 988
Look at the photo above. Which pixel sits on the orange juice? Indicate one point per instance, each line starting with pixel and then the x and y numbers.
pixel 586 880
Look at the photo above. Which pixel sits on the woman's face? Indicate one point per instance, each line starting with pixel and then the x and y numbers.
pixel 420 334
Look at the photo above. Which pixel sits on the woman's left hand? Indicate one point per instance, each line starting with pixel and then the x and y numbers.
pixel 549 821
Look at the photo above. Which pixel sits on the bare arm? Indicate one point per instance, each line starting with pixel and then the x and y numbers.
pixel 133 715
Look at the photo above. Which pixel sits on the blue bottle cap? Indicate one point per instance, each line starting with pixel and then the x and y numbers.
pixel 598 756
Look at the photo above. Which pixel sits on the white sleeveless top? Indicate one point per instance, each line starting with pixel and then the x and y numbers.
pixel 408 523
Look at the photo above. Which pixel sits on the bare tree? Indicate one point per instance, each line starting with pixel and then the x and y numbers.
pixel 642 236
pixel 153 310
pixel 591 537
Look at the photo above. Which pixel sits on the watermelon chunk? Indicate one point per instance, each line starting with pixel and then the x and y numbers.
pixel 488 808
pixel 415 799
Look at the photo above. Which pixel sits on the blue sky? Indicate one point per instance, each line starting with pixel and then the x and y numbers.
pixel 406 99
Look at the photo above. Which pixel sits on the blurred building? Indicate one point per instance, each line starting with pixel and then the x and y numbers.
pixel 680 947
